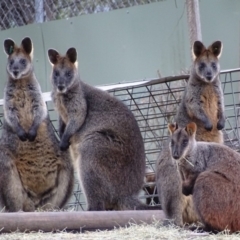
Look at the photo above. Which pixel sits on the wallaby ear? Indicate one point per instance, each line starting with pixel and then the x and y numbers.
pixel 216 48
pixel 53 56
pixel 9 46
pixel 27 45
pixel 191 128
pixel 197 49
pixel 72 54
pixel 172 127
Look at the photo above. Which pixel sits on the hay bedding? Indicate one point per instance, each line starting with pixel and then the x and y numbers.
pixel 134 232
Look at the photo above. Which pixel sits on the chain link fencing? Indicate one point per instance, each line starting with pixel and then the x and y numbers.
pixel 16 13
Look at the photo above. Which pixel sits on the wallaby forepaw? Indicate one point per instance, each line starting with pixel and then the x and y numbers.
pixel 64 145
pixel 22 135
pixel 221 123
pixel 208 126
pixel 32 135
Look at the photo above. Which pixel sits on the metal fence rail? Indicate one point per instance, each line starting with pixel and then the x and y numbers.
pixel 15 13
pixel 154 104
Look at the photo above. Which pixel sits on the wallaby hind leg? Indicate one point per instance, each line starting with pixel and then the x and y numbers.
pixel 92 190
pixel 169 188
pixel 64 189
pixel 12 195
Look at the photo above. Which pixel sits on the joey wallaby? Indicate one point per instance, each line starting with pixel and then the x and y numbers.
pixel 103 135
pixel 34 172
pixel 211 173
pixel 202 103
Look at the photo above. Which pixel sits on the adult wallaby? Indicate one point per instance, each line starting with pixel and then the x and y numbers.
pixel 202 103
pixel 211 173
pixel 34 172
pixel 103 135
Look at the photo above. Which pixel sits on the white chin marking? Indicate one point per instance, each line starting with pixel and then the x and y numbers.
pixel 61 91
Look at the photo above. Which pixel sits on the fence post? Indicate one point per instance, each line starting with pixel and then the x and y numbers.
pixel 194 24
pixel 39 12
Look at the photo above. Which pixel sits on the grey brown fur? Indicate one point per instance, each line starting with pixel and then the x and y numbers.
pixel 202 103
pixel 104 138
pixel 211 174
pixel 33 171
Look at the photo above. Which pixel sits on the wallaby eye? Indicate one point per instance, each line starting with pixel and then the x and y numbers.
pixel 68 74
pixel 56 73
pixel 185 142
pixel 214 66
pixel 23 62
pixel 202 66
pixel 11 62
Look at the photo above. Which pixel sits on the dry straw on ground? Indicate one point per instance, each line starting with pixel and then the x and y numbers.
pixel 134 232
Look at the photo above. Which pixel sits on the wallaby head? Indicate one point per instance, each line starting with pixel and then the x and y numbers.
pixel 182 139
pixel 206 60
pixel 64 69
pixel 19 63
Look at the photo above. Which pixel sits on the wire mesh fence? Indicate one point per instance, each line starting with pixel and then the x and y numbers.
pixel 15 13
pixel 154 104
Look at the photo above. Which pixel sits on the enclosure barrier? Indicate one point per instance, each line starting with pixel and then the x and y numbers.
pixel 154 103
pixel 75 221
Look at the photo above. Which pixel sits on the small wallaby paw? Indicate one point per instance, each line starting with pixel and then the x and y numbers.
pixel 208 126
pixel 32 134
pixel 22 135
pixel 64 145
pixel 221 124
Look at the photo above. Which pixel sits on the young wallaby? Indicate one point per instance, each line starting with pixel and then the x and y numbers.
pixel 34 172
pixel 103 135
pixel 202 103
pixel 211 174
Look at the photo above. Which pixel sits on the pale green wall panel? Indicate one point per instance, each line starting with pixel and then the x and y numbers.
pixel 220 20
pixel 120 45
pixel 132 43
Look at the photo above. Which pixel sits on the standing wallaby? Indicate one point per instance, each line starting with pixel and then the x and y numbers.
pixel 211 173
pixel 103 135
pixel 202 103
pixel 33 170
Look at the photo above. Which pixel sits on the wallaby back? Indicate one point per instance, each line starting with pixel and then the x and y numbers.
pixel 103 135
pixel 39 173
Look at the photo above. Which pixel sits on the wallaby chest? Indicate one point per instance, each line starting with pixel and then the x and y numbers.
pixel 22 99
pixel 61 105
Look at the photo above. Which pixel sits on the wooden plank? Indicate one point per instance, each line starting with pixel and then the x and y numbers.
pixel 52 221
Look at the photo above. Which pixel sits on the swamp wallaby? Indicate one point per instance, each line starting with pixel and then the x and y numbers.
pixel 202 103
pixel 210 172
pixel 103 135
pixel 34 172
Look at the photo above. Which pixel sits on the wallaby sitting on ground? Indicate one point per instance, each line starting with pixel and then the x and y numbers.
pixel 202 103
pixel 103 135
pixel 33 170
pixel 211 174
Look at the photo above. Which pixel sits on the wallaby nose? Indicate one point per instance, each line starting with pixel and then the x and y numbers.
pixel 15 72
pixel 175 155
pixel 209 76
pixel 60 88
